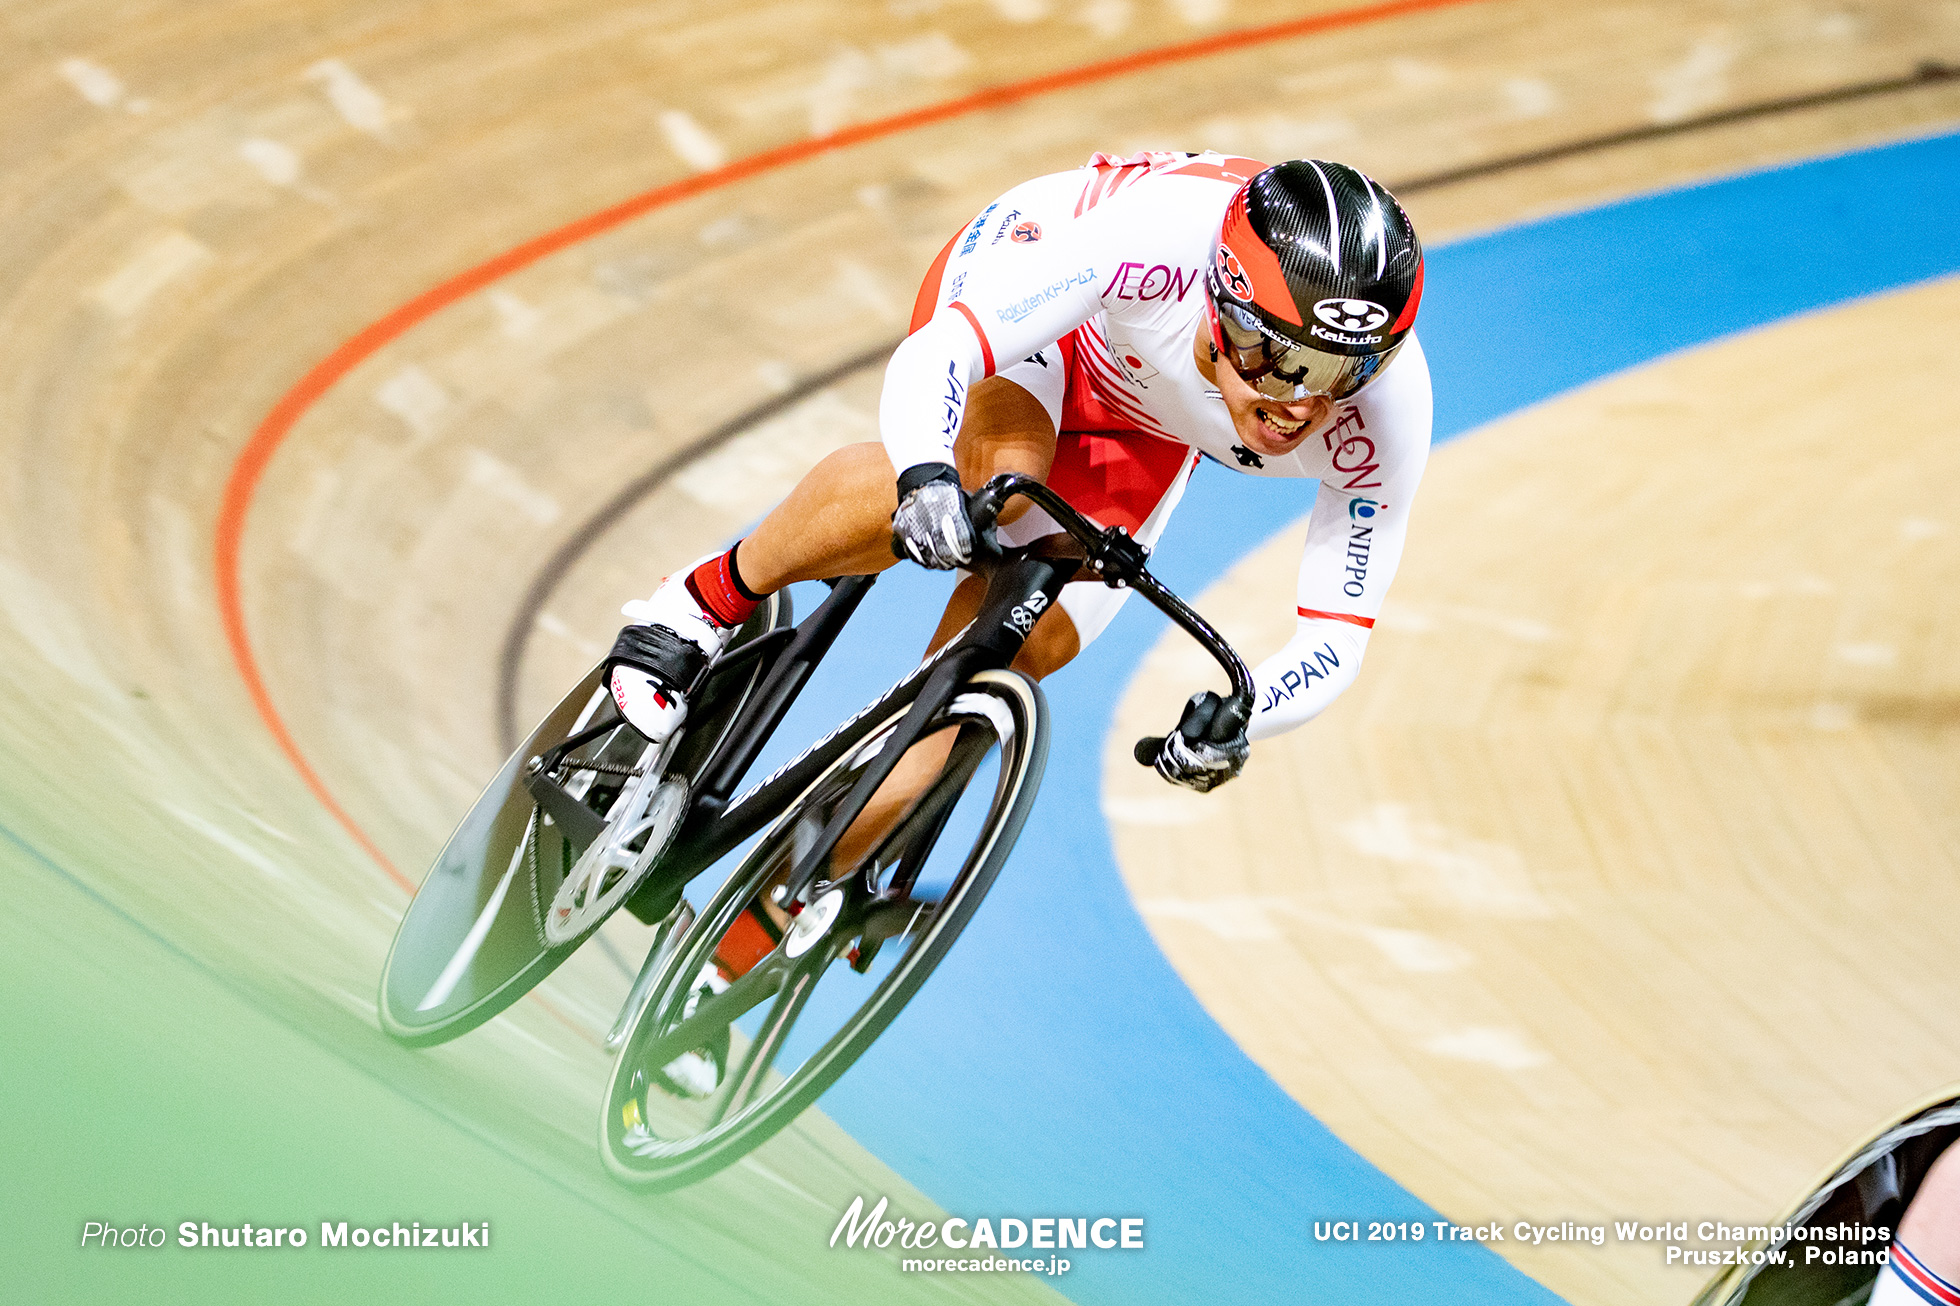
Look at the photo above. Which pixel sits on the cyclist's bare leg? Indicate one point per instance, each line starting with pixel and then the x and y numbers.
pixel 838 519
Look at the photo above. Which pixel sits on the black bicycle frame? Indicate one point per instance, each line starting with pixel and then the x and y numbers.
pixel 715 826
pixel 1022 584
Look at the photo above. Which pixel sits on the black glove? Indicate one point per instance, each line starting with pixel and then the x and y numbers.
pixel 931 526
pixel 1208 747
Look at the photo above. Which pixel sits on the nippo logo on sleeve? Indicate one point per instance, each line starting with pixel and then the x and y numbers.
pixel 1350 314
pixel 1233 274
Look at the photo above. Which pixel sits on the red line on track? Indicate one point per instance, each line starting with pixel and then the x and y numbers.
pixel 249 469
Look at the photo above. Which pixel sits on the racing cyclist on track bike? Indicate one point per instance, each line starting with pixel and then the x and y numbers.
pixel 1104 330
pixel 1924 1266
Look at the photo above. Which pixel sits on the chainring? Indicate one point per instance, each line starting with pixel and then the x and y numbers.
pixel 615 864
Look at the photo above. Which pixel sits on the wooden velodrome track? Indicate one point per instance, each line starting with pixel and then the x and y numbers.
pixel 199 206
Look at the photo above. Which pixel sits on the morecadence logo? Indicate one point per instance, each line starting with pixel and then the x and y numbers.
pixel 873 1230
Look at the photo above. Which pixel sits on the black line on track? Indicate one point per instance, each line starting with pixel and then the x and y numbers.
pixel 510 656
pixel 510 659
pixel 1929 73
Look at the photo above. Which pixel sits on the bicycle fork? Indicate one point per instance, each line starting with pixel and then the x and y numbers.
pixel 1017 595
pixel 672 931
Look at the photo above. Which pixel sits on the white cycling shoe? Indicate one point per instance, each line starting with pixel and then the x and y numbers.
pixel 658 658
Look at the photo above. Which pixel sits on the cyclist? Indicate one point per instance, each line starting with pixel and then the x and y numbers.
pixel 1104 330
pixel 1925 1261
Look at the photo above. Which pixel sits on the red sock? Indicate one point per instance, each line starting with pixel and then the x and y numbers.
pixel 718 588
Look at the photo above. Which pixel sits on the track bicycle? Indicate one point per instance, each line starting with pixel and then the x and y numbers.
pixel 856 865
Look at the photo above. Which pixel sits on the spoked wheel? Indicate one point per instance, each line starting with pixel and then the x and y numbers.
pixel 531 872
pixel 758 1011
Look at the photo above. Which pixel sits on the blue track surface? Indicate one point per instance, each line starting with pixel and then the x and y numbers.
pixel 1057 1065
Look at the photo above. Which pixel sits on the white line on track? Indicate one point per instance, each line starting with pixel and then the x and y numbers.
pixel 488 474
pixel 1505 1049
pixel 750 1163
pixel 1022 11
pixel 225 839
pixel 1697 82
pixel 163 259
pixel 359 105
pixel 416 397
pixel 93 82
pixel 275 161
pixel 693 142
pixel 1107 18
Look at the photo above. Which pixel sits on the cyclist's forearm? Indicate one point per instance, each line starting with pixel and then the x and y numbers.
pixel 1298 683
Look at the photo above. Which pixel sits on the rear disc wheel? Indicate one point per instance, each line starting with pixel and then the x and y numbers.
pixel 473 939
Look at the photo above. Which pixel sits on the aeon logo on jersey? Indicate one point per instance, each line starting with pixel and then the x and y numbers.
pixel 1157 281
pixel 1232 272
pixel 1025 233
pixel 1351 314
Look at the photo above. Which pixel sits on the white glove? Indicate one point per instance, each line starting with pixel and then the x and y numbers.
pixel 931 526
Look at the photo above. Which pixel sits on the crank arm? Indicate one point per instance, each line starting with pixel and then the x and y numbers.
pixel 579 824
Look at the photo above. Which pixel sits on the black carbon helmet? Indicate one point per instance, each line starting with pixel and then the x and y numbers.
pixel 1315 281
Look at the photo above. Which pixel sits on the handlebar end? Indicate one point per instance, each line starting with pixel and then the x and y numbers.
pixel 1147 749
pixel 985 503
pixel 983 508
pixel 1240 711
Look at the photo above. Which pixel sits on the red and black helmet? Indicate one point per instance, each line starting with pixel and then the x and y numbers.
pixel 1315 280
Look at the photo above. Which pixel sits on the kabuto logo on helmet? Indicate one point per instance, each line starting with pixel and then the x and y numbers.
pixel 1237 283
pixel 1351 314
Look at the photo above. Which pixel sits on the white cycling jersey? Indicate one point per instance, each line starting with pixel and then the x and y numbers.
pixel 1115 253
